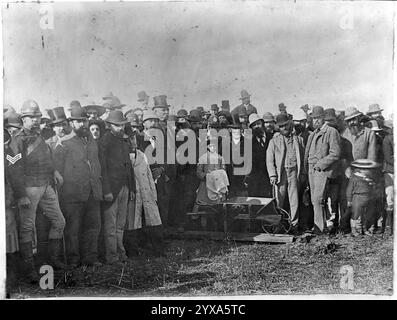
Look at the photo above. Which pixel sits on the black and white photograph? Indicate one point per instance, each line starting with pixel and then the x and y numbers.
pixel 197 149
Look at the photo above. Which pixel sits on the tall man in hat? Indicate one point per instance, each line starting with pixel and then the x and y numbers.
pixel 143 99
pixel 33 176
pixel 166 181
pixel 284 160
pixel 225 105
pixel 77 160
pixel 258 179
pixel 246 104
pixel 321 160
pixel 118 185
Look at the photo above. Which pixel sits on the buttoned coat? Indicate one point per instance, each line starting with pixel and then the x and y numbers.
pixel 328 151
pixel 77 161
pixel 277 151
pixel 115 164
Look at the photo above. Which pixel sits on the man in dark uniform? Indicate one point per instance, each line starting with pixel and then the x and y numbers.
pixel 33 176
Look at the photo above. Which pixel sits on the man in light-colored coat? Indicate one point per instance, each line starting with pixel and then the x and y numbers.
pixel 321 162
pixel 284 160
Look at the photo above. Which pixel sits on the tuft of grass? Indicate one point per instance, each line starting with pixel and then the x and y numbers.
pixel 197 268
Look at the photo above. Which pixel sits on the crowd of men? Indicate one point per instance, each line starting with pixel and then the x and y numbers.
pixel 83 185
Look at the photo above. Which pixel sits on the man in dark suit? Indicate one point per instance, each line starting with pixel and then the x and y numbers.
pixel 118 183
pixel 77 161
pixel 246 105
pixel 258 180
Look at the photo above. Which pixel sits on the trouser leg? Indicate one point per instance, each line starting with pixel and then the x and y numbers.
pixel 28 215
pixel 91 225
pixel 73 215
pixel 50 205
pixel 293 195
pixel 109 230
pixel 121 221
pixel 318 185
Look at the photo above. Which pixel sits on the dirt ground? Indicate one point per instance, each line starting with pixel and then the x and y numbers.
pixel 204 267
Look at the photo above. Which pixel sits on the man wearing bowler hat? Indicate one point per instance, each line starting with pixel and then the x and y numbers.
pixel 77 160
pixel 118 185
pixel 321 160
pixel 246 104
pixel 33 176
pixel 284 160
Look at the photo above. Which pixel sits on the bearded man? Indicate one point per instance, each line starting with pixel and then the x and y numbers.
pixel 118 184
pixel 258 180
pixel 77 160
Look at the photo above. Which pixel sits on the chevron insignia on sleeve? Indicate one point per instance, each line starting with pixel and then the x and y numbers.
pixel 14 159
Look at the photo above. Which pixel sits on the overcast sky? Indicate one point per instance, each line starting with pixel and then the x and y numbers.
pixel 329 53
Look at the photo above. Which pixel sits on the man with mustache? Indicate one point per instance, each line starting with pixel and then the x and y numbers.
pixel 33 175
pixel 77 160
pixel 321 161
pixel 361 141
pixel 61 126
pixel 258 180
pixel 118 184
pixel 284 159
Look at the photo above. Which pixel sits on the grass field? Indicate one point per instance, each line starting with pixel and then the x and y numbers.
pixel 200 268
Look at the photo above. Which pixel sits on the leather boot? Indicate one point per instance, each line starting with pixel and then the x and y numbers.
pixel 157 240
pixel 26 251
pixel 42 253
pixel 354 232
pixel 131 243
pixel 54 254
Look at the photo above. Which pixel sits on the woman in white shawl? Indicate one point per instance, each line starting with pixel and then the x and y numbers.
pixel 143 210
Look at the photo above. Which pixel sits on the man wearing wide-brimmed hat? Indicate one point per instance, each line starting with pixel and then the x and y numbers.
pixel 284 160
pixel 33 176
pixel 375 113
pixel 321 161
pixel 362 139
pixel 80 195
pixel 258 179
pixel 94 111
pixel 246 104
pixel 360 190
pixel 118 183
